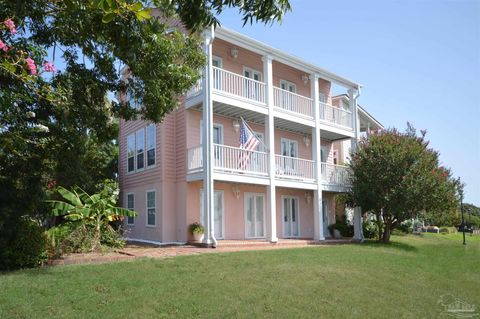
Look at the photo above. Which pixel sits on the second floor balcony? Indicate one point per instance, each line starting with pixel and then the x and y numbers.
pixel 239 87
pixel 235 160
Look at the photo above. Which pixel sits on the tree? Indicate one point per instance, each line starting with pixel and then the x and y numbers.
pixel 59 60
pixel 395 176
pixel 93 211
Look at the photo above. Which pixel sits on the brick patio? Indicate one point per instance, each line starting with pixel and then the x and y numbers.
pixel 135 250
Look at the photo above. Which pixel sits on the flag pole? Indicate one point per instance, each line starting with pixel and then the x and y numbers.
pixel 250 129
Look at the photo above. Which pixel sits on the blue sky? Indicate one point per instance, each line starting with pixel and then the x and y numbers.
pixel 419 61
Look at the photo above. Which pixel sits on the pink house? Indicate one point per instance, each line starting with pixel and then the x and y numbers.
pixel 187 169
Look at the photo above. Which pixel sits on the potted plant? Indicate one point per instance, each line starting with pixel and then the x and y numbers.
pixel 197 230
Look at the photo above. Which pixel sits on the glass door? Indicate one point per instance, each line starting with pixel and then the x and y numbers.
pixel 326 233
pixel 254 215
pixel 290 152
pixel 291 225
pixel 252 89
pixel 218 213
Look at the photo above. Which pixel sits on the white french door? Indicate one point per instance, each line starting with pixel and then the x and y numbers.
pixel 290 152
pixel 291 223
pixel 254 215
pixel 288 99
pixel 325 218
pixel 218 213
pixel 257 161
pixel 252 89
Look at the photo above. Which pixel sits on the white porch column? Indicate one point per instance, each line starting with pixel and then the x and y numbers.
pixel 316 147
pixel 270 139
pixel 357 211
pixel 207 142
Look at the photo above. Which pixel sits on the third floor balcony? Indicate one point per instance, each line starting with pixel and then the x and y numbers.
pixel 228 85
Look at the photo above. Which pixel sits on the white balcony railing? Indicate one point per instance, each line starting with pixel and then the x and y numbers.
pixel 293 102
pixel 294 168
pixel 335 115
pixel 196 89
pixel 335 174
pixel 238 85
pixel 230 159
pixel 195 159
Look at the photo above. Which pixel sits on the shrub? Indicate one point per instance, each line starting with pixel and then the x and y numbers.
pixel 344 229
pixel 72 237
pixel 406 227
pixel 448 230
pixel 370 229
pixel 24 244
pixel 196 228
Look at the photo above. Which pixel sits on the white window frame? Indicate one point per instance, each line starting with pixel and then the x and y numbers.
pixel 154 146
pixel 298 215
pixel 217 125
pixel 147 207
pixel 219 60
pixel 253 72
pixel 245 197
pixel 287 84
pixel 142 131
pixel 133 135
pixel 132 208
pixel 288 140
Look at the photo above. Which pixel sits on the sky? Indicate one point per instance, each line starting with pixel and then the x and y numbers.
pixel 418 61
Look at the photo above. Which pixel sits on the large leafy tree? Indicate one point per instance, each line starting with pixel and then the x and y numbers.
pixel 58 127
pixel 396 176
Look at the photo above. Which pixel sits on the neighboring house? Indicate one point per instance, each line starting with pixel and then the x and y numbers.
pixel 187 169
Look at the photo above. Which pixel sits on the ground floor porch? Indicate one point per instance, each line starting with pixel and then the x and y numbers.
pixel 242 213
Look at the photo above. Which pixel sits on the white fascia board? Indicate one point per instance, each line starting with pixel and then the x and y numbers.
pixel 280 56
pixel 369 116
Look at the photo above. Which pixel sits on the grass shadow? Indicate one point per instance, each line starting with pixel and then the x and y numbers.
pixel 392 244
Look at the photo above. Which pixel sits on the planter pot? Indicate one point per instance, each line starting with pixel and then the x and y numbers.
pixel 197 237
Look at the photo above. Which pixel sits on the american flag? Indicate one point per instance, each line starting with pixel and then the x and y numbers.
pixel 248 143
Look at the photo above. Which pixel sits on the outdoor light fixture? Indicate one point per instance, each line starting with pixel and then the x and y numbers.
pixel 305 79
pixel 234 52
pixel 308 197
pixel 236 191
pixel 306 140
pixel 236 126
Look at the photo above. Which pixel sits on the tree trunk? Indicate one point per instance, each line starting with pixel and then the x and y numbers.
pixel 386 232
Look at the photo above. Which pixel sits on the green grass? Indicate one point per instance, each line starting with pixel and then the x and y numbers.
pixel 403 280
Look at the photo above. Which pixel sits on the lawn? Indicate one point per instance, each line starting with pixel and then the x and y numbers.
pixel 406 279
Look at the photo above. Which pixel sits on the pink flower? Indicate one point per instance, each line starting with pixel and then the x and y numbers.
pixel 31 66
pixel 10 25
pixel 3 46
pixel 49 67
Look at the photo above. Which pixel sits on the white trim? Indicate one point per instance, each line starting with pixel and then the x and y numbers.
pixel 134 153
pixel 245 196
pixel 221 191
pixel 283 197
pixel 159 243
pixel 284 139
pixel 126 205
pixel 280 56
pixel 146 208
pixel 136 150
pixel 253 72
pixel 287 84
pixel 219 59
pixel 215 125
pixel 154 146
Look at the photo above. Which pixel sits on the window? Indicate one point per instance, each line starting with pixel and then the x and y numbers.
pixel 217 62
pixel 134 103
pixel 140 148
pixel 288 86
pixel 151 145
pixel 253 89
pixel 131 153
pixel 131 206
pixel 151 214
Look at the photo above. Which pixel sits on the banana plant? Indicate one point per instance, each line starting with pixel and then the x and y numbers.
pixel 95 210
